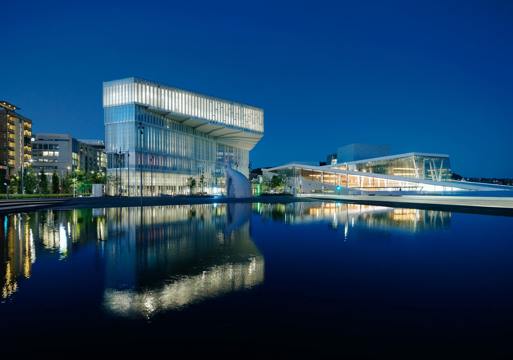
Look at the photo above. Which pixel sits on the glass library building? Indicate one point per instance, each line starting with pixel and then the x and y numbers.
pixel 162 137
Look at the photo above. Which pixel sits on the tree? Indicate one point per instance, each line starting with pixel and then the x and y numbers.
pixel 457 177
pixel 277 181
pixel 98 177
pixel 55 183
pixel 43 183
pixel 14 184
pixel 202 182
pixel 266 184
pixel 30 181
pixel 191 182
pixel 67 184
pixel 78 182
pixel 82 182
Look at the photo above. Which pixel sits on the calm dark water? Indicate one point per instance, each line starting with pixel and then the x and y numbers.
pixel 257 280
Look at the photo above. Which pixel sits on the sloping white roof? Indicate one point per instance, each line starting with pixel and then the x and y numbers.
pixel 391 157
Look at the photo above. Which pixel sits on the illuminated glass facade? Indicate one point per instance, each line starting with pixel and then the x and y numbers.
pixel 391 174
pixel 171 135
pixel 434 167
pixel 303 179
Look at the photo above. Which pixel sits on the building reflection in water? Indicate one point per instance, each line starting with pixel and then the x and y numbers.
pixel 164 258
pixel 348 215
pixel 157 258
pixel 22 235
pixel 168 257
pixel 17 253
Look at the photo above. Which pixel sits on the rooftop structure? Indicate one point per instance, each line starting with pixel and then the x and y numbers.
pixel 355 152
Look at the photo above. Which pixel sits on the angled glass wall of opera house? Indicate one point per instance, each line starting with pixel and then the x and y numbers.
pixel 166 136
pixel 410 173
pixel 436 167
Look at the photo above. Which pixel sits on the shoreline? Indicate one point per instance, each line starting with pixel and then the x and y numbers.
pixel 23 205
pixel 477 205
pixel 467 204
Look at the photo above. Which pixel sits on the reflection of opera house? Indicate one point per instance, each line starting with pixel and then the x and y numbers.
pixel 178 256
pixel 410 172
pixel 369 216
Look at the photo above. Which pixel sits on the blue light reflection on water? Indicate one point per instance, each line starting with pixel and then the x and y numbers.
pixel 296 274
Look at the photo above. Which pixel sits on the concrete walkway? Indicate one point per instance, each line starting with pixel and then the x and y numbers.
pixel 484 203
pixel 495 205
pixel 17 205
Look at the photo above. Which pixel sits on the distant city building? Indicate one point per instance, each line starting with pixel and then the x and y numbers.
pixel 355 152
pixel 331 159
pixel 54 153
pixel 15 145
pixel 62 154
pixel 171 135
pixel 92 155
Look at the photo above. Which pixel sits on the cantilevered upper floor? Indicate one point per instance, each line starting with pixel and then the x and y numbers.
pixel 231 121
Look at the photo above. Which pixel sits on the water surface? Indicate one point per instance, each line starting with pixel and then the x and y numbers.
pixel 247 278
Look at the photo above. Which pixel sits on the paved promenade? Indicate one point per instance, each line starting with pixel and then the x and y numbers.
pixel 501 205
pixel 493 205
pixel 22 205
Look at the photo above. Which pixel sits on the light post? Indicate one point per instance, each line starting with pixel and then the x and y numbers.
pixel 39 190
pixel 22 176
pixel 347 180
pixel 140 126
pixel 67 177
pixel 74 182
pixel 152 159
pixel 120 174
pixel 115 174
pixel 128 171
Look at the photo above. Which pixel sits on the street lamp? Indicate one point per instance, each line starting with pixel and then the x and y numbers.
pixel 152 159
pixel 128 172
pixel 347 179
pixel 118 169
pixel 74 181
pixel 140 126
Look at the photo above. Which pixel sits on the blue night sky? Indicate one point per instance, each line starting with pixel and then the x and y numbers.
pixel 419 75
